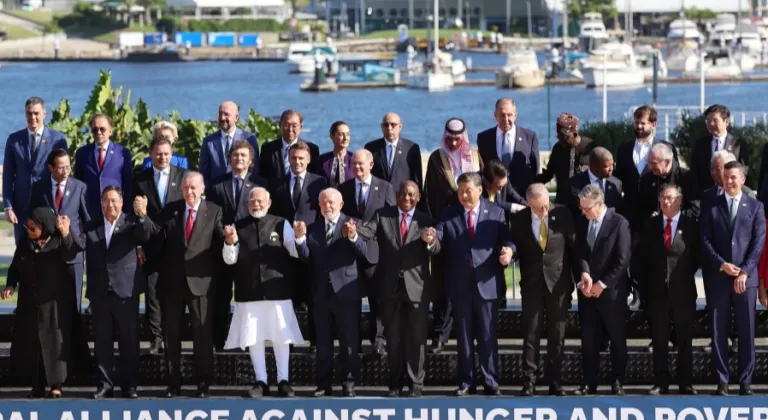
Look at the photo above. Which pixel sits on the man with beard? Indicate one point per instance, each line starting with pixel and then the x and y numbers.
pixel 599 173
pixel 569 156
pixel 262 250
pixel 214 153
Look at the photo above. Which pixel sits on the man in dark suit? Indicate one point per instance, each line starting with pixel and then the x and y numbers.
pixel 395 159
pixel 516 147
pixel 569 156
pixel 498 190
pixel 214 153
pixel 475 241
pixel 605 243
pixel 717 171
pixel 668 257
pixel 717 117
pixel 732 239
pixel 66 196
pixel 115 282
pixel 103 163
pixel 161 185
pixel 599 173
pixel 363 196
pixel 274 162
pixel 190 228
pixel 332 247
pixel 24 163
pixel 230 192
pixel 632 157
pixel 549 261
pixel 404 289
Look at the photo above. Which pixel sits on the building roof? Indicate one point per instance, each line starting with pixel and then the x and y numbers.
pixel 224 3
pixel 667 6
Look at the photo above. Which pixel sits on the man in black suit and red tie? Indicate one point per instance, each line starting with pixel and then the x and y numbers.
pixel 274 160
pixel 516 147
pixel 668 256
pixel 395 159
pixel 718 117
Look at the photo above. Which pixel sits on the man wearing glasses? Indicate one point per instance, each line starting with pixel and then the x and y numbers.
pixel 103 163
pixel 274 162
pixel 395 159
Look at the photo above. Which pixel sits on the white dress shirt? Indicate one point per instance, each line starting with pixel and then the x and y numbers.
pixel 500 141
pixel 194 215
pixel 109 228
pixel 96 151
pixel 640 154
pixel 365 185
pixel 536 225
pixel 718 142
pixel 231 252
pixel 675 220
pixel 224 140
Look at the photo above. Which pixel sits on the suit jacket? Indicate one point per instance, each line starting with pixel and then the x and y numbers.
pixel 326 163
pixel 21 169
pixel 710 194
pixel 626 171
pixel 525 161
pixel 73 203
pixel 669 273
pixel 409 259
pixel 176 160
pixel 477 259
pixel 557 265
pixel 405 166
pixel 506 197
pixel 613 189
pixel 701 159
pixel 213 162
pixel 740 244
pixel 308 209
pixel 223 194
pixel 271 164
pixel 609 260
pixel 335 263
pixel 648 195
pixel 118 171
pixel 190 262
pixel 115 266
pixel 144 185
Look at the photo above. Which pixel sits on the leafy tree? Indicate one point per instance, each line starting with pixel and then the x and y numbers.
pixel 606 7
pixel 699 15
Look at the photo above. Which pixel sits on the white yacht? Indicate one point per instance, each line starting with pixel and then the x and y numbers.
pixel 615 61
pixel 296 51
pixel 716 67
pixel 523 68
pixel 684 29
pixel 306 63
pixel 724 30
pixel 592 33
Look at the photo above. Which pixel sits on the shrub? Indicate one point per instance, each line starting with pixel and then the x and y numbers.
pixel 609 135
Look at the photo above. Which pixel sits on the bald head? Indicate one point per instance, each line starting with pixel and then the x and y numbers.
pixel 228 116
pixel 391 126
pixel 538 199
pixel 362 163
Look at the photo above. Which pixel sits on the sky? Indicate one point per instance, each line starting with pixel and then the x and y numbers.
pixel 665 6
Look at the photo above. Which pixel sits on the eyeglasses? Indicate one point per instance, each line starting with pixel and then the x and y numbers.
pixel 668 197
pixel 32 228
pixel 585 209
pixel 99 129
pixel 389 124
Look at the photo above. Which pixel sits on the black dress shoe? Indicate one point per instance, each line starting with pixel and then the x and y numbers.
pixel 585 390
pixel 659 390
pixel 463 391
pixel 323 392
pixel 687 390
pixel 556 390
pixel 36 393
pixel 285 390
pixel 157 347
pixel 312 348
pixel 437 347
pixel 130 393
pixel 722 390
pixel 259 390
pixel 172 391
pixel 393 393
pixel 491 392
pixel 416 391
pixel 746 389
pixel 348 392
pixel 202 391
pixel 617 389
pixel 103 393
pixel 528 390
pixel 380 348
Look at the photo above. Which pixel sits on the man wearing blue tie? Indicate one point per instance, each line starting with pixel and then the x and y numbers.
pixel 732 239
pixel 476 246
pixel 214 153
pixel 26 152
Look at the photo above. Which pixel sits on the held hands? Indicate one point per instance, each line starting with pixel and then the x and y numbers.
pixel 740 283
pixel 730 269
pixel 62 224
pixel 10 216
pixel 141 256
pixel 300 228
pixel 429 235
pixel 230 235
pixel 7 293
pixel 586 285
pixel 140 205
pixel 505 257
pixel 349 229
pixel 763 296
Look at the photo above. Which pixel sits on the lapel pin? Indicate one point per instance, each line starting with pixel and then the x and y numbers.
pixel 247 185
pixel 553 218
pixel 730 148
pixel 111 152
pixel 67 193
pixel 375 188
pixel 653 184
pixel 175 213
pixel 519 139
pixel 485 211
pixel 173 184
pixel 116 228
pixel 44 141
pixel 743 204
pixel 399 152
pixel 679 232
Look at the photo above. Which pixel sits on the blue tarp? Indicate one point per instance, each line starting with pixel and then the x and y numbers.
pixel 248 40
pixel 222 39
pixel 154 38
pixel 194 39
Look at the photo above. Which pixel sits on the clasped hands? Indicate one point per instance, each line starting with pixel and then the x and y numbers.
pixel 348 229
pixel 590 288
pixel 740 280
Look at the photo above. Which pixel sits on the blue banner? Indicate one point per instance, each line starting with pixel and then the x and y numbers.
pixel 515 408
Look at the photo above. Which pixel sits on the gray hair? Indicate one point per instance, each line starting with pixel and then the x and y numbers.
pixel 259 189
pixel 599 155
pixel 193 174
pixel 503 101
pixel 663 151
pixel 592 193
pixel 676 187
pixel 472 177
pixel 364 152
pixel 535 191
pixel 330 190
pixel 725 155
pixel 165 125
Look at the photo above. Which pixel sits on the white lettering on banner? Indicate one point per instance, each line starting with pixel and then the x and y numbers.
pixel 361 414
pixel 707 413
pixel 19 415
pixel 384 413
pixel 631 413
pixel 67 415
pixel 423 414
pixel 299 415
pixel 578 414
pixel 162 415
pixel 520 414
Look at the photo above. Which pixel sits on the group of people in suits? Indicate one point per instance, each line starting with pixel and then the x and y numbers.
pixel 282 226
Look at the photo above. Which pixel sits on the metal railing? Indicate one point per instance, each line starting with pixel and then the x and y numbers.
pixel 670 116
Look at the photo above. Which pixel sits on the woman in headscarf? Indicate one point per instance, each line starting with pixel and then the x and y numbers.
pixel 47 333
pixel 454 157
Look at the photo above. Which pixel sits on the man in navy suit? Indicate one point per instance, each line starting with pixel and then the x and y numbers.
pixel 476 245
pixel 274 162
pixel 605 242
pixel 732 239
pixel 516 147
pixel 66 196
pixel 600 173
pixel 214 153
pixel 115 282
pixel 24 162
pixel 230 192
pixel 718 118
pixel 396 159
pixel 332 247
pixel 103 163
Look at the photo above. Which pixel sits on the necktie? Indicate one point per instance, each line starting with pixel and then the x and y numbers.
pixel 33 143
pixel 719 190
pixel 592 235
pixel 238 189
pixel 58 197
pixel 543 235
pixel 329 232
pixel 361 200
pixel 229 144
pixel 600 183
pixel 391 155
pixel 404 227
pixel 190 223
pixel 572 167
pixel 506 152
pixel 734 209
pixel 717 144
pixel 668 234
pixel 470 225
pixel 101 158
pixel 296 191
pixel 491 197
pixel 286 161
pixel 162 187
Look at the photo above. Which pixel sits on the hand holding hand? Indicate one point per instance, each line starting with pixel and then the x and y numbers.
pixel 7 293
pixel 351 229
pixel 597 289
pixel 505 257
pixel 586 285
pixel 141 256
pixel 740 283
pixel 300 228
pixel 730 269
pixel 230 235
pixel 140 205
pixel 62 224
pixel 10 216
pixel 429 235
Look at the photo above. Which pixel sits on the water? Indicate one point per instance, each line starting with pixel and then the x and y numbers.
pixel 196 89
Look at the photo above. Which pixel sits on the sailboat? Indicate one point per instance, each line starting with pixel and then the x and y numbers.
pixel 434 77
